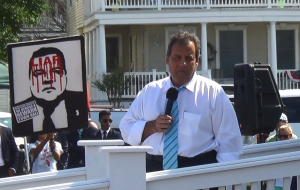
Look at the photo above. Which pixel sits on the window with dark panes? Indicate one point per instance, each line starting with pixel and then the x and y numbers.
pixel 231 51
pixel 285 44
pixel 112 53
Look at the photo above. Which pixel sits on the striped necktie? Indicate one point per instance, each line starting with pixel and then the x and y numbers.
pixel 171 140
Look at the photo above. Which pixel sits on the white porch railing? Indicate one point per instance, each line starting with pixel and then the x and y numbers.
pixel 137 80
pixel 116 5
pixel 123 167
pixel 284 81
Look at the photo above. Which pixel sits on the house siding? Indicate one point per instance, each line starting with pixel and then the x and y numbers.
pixel 79 15
pixel 4 101
pixel 74 17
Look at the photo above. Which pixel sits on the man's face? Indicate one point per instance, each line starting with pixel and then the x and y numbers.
pixel 182 63
pixel 105 122
pixel 284 134
pixel 47 77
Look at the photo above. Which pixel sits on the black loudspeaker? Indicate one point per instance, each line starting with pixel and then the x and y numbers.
pixel 257 102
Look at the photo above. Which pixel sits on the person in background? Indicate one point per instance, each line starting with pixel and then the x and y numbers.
pixel 9 153
pixel 105 132
pixel 45 153
pixel 90 133
pixel 62 138
pixel 284 132
pixel 282 121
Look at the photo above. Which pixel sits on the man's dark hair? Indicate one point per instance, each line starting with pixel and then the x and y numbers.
pixel 48 51
pixel 184 38
pixel 103 113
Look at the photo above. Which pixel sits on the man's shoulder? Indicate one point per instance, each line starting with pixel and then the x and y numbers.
pixel 116 133
pixel 207 82
pixel 271 138
pixel 157 84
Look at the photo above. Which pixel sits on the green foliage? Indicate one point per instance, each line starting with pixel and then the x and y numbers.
pixel 113 84
pixel 15 13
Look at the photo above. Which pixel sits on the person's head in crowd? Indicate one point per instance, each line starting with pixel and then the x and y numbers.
pixel 183 57
pixel 282 121
pixel 285 132
pixel 105 119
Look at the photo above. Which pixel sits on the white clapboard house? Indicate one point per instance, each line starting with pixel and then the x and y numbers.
pixel 135 34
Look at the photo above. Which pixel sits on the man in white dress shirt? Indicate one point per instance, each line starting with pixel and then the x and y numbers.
pixel 208 130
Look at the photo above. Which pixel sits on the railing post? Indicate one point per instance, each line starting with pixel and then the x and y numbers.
pixel 96 162
pixel 102 5
pixel 126 166
pixel 207 4
pixel 153 74
pixel 159 5
pixel 269 4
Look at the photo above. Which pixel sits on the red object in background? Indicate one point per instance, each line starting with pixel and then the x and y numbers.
pixel 88 96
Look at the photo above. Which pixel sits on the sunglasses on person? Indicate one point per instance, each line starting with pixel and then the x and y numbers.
pixel 107 120
pixel 283 136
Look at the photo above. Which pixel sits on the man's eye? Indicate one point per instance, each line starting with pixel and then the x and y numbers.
pixel 56 70
pixel 38 73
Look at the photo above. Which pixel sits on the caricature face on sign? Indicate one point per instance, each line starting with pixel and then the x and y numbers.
pixel 48 86
pixel 47 77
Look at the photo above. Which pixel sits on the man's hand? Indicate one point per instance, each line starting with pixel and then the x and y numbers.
pixel 52 144
pixel 163 123
pixel 50 136
pixel 11 172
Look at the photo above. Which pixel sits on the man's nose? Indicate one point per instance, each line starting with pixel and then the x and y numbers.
pixel 48 81
pixel 182 62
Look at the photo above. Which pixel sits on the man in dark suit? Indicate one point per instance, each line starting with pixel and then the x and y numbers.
pixel 9 154
pixel 53 107
pixel 105 132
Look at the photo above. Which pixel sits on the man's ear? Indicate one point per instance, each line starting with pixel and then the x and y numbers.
pixel 167 60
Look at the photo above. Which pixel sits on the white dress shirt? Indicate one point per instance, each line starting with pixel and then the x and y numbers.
pixel 207 120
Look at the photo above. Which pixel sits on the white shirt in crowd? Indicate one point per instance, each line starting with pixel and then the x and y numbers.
pixel 207 120
pixel 45 161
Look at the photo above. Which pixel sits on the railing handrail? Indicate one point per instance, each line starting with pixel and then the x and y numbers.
pixel 99 5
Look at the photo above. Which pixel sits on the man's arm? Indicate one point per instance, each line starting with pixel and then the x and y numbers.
pixel 14 153
pixel 225 128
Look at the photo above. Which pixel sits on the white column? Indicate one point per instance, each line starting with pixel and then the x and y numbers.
pixel 101 68
pixel 102 53
pixel 94 168
pixel 90 55
pixel 87 71
pixel 204 63
pixel 94 71
pixel 130 172
pixel 273 62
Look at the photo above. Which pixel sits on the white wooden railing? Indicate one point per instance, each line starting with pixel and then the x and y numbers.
pixel 284 82
pixel 137 80
pixel 115 5
pixel 112 167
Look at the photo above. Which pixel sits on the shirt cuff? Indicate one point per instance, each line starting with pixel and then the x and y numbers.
pixel 13 169
pixel 135 135
pixel 225 157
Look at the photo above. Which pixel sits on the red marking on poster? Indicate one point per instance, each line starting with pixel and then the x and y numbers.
pixel 47 69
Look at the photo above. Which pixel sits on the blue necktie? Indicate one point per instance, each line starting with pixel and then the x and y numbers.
pixel 171 140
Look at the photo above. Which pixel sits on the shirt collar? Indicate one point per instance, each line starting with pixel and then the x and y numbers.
pixel 106 131
pixel 190 85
